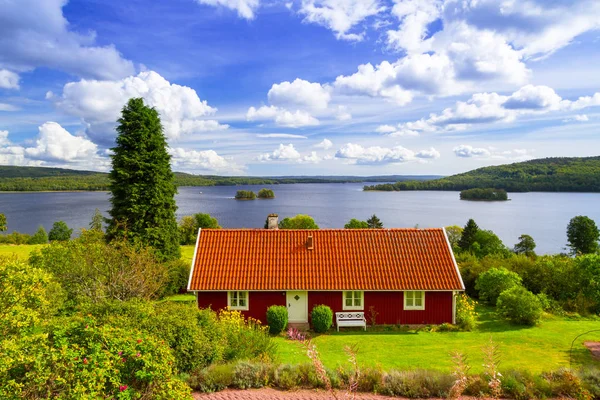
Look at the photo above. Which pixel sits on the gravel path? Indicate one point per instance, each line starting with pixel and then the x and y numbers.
pixel 272 394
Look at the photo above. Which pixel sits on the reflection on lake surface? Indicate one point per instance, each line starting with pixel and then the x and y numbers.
pixel 542 215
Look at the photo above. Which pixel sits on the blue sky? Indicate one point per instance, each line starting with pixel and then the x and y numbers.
pixel 304 87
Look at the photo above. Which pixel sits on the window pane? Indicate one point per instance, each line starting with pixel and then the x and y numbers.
pixel 233 301
pixel 242 302
pixel 409 302
pixel 409 295
pixel 357 302
pixel 242 295
pixel 348 302
pixel 418 302
pixel 348 295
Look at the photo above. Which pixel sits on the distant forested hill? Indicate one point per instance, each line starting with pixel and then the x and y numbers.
pixel 575 174
pixel 18 179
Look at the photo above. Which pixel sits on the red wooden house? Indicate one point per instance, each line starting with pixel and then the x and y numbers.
pixel 407 276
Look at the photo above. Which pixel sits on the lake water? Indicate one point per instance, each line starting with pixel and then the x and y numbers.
pixel 542 215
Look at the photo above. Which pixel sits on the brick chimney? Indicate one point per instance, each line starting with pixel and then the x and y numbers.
pixel 310 243
pixel 272 221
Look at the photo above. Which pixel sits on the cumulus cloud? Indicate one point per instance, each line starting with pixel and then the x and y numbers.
pixel 99 104
pixel 282 153
pixel 312 158
pixel 340 16
pixel 36 34
pixel 377 155
pixel 245 8
pixel 8 79
pixel 299 93
pixel 54 143
pixel 414 17
pixel 280 136
pixel 206 160
pixel 281 116
pixel 326 144
pixel 466 151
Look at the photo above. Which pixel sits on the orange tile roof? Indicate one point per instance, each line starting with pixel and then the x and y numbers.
pixel 342 259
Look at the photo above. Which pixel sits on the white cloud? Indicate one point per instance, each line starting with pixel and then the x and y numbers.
pixel 299 93
pixel 35 34
pixel 581 118
pixel 8 107
pixel 431 153
pixel 326 144
pixel 313 158
pixel 281 116
pixel 280 136
pixel 245 8
pixel 8 79
pixel 342 114
pixel 282 153
pixel 54 143
pixel 466 151
pixel 208 160
pixel 262 113
pixel 374 155
pixel 340 16
pixel 414 16
pixel 385 129
pixel 533 98
pixel 99 104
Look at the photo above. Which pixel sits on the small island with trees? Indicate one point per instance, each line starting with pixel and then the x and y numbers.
pixel 245 195
pixel 266 194
pixel 484 194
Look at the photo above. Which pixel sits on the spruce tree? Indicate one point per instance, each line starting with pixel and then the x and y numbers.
pixel 468 235
pixel 142 184
pixel 97 221
pixel 374 222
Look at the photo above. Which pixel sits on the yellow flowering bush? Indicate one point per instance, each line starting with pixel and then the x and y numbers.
pixel 466 315
pixel 244 338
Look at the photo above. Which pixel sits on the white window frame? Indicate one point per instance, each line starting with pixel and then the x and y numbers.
pixel 241 308
pixel 413 306
pixel 353 307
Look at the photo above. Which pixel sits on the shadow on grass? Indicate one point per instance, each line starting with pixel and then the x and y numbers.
pixel 490 322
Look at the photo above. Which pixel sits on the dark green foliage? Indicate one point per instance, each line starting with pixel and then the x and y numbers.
pixel 277 319
pixel 97 221
pixel 179 274
pixel 3 224
pixel 468 235
pixel 486 242
pixel 322 318
pixel 189 225
pixel 588 267
pixel 417 384
pixel 525 246
pixel 484 194
pixel 519 306
pixel 247 375
pixel 15 238
pixel 266 194
pixel 287 377
pixel 495 281
pixel 60 232
pixel 583 235
pixel 356 224
pixel 245 195
pixel 374 222
pixel 300 221
pixel 39 237
pixel 142 185
pixel 574 174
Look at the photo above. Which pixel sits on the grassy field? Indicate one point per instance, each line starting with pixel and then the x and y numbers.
pixel 537 349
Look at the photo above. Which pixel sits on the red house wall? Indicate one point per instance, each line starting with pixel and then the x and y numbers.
pixel 388 305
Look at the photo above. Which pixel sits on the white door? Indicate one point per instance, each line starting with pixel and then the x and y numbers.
pixel 297 304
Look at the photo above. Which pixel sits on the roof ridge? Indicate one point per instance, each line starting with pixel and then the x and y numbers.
pixel 321 230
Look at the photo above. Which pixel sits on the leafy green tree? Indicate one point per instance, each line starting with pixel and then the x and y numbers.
pixel 589 268
pixel 97 221
pixel 189 225
pixel 374 222
pixel 525 246
pixel 60 232
pixel 486 243
pixel 454 233
pixel 356 224
pixel 39 237
pixel 495 281
pixel 519 306
pixel 583 235
pixel 142 184
pixel 3 224
pixel 468 235
pixel 300 221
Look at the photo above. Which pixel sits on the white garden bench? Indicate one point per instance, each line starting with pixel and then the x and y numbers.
pixel 350 319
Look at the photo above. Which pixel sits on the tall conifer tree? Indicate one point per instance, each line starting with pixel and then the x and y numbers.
pixel 142 184
pixel 468 235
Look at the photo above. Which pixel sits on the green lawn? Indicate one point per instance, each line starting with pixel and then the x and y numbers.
pixel 537 349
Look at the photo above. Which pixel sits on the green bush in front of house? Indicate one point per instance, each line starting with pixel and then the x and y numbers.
pixel 322 318
pixel 519 306
pixel 277 319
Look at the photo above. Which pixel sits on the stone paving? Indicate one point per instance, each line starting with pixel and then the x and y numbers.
pixel 272 394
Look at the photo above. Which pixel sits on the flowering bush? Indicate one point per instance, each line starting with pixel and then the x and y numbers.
pixel 244 338
pixel 465 312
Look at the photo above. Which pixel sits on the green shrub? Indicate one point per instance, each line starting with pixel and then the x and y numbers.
pixel 76 358
pixel 39 237
pixel 178 276
pixel 60 232
pixel 287 377
pixel 322 318
pixel 212 379
pixel 277 319
pixel 565 384
pixel 519 306
pixel 417 384
pixel 370 379
pixel 466 316
pixel 15 238
pixel 244 339
pixel 523 385
pixel 247 375
pixel 591 380
pixel 495 281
